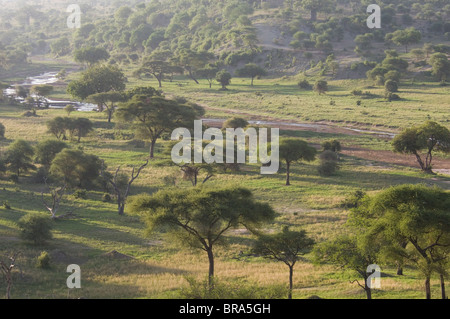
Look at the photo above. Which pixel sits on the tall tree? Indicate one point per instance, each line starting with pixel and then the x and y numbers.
pixel 154 115
pixel 224 78
pixel 293 150
pixel 315 6
pixel 122 186
pixel 286 246
pixel 209 73
pixel 46 151
pixel 441 66
pixel 429 137
pixel 107 100
pixel 192 61
pixel 201 217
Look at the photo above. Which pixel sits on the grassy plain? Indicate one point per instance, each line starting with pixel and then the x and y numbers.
pixel 158 267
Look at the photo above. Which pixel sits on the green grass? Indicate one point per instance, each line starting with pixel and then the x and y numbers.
pixel 160 265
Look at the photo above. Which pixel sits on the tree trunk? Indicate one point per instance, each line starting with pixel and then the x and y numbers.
pixel 368 292
pixel 152 148
pixel 442 287
pixel 211 267
pixel 110 112
pixel 192 76
pixel 399 270
pixel 288 169
pixel 121 207
pixel 427 288
pixel 313 15
pixel 291 273
pixel 252 80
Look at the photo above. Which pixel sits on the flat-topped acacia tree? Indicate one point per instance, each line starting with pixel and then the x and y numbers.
pixel 423 141
pixel 154 115
pixel 201 217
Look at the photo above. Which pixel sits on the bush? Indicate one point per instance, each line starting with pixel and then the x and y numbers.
pixel 356 92
pixel 2 131
pixel 36 228
pixel 304 84
pixel 353 200
pixel 6 204
pixel 391 86
pixel 80 194
pixel 327 168
pixel 106 198
pixel 334 146
pixel 43 261
pixel 392 97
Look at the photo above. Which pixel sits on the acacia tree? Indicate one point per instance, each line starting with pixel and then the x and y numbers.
pixel 429 137
pixel 192 61
pixel 19 157
pixel 293 150
pixel 286 246
pixel 252 71
pixel 345 252
pixel 107 100
pixel 41 91
pixel 405 37
pixel 440 65
pixel 201 217
pixel 157 68
pixel 416 214
pixel 154 115
pixel 97 79
pixel 209 73
pixel 90 55
pixel 315 6
pixel 224 78
pixel 46 151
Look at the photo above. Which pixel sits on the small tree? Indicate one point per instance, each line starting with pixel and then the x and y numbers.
pixel 69 108
pixel 328 163
pixel 107 100
pixel 46 151
pixel 208 73
pixel 286 246
pixel 6 269
pixel 82 127
pixel 56 194
pixel 391 86
pixel 440 65
pixel 321 86
pixel 91 55
pixel 252 71
pixel 224 78
pixel 2 131
pixel 36 228
pixel 333 145
pixel 235 122
pixel 41 91
pixel 347 254
pixel 293 150
pixel 122 189
pixel 19 157
pixel 201 217
pixel 154 115
pixel 429 137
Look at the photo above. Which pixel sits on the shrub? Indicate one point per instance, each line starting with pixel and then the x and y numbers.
pixel 334 146
pixel 353 200
pixel 321 86
pixel 2 131
pixel 327 168
pixel 80 194
pixel 391 86
pixel 6 204
pixel 304 84
pixel 106 198
pixel 392 97
pixel 36 228
pixel 43 261
pixel 356 92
